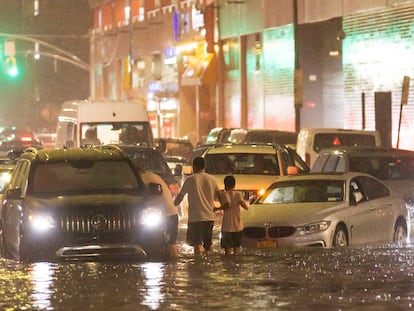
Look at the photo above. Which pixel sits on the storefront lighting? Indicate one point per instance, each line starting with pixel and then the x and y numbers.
pixel 188 48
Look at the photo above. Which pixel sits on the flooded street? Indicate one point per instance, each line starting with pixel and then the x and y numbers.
pixel 377 277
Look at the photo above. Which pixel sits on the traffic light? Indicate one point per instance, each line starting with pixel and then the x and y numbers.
pixel 10 67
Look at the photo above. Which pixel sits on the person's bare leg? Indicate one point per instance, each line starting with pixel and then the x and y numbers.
pixel 197 250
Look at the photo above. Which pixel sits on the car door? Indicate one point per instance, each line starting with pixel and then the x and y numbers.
pixel 379 197
pixel 362 224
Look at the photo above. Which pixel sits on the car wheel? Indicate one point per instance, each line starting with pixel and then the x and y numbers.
pixel 340 238
pixel 400 233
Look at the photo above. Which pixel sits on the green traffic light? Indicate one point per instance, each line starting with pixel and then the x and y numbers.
pixel 13 71
pixel 10 67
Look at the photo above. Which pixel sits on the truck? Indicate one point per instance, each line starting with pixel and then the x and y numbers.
pixel 85 122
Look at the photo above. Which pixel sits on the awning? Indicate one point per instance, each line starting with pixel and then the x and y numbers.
pixel 200 72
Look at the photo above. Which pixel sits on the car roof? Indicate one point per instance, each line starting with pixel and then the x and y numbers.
pixel 72 154
pixel 367 151
pixel 317 176
pixel 244 148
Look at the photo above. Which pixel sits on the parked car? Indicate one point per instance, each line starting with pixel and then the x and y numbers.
pixel 325 210
pixel 150 159
pixel 255 166
pixel 394 167
pixel 77 204
pixel 311 141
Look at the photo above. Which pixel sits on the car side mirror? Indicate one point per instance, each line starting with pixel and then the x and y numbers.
pixel 155 188
pixel 357 197
pixel 13 194
pixel 292 170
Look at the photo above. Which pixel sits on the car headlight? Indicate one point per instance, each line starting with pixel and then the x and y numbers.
pixel 151 217
pixel 41 223
pixel 260 192
pixel 314 227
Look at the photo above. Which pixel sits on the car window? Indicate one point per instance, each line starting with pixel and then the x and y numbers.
pixel 325 140
pixel 372 188
pixel 320 163
pixel 304 191
pixel 83 177
pixel 242 163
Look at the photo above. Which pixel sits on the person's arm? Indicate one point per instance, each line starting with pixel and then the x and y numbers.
pixel 242 202
pixel 222 207
pixel 178 199
pixel 224 201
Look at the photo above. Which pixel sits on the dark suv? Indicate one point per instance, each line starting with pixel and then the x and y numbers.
pixel 80 203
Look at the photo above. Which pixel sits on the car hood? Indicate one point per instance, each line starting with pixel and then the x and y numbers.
pixel 289 214
pixel 248 182
pixel 87 201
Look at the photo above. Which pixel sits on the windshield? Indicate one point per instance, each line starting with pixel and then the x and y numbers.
pixel 242 163
pixel 83 177
pixel 304 191
pixel 116 133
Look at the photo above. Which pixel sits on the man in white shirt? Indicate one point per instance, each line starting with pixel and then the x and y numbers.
pixel 202 190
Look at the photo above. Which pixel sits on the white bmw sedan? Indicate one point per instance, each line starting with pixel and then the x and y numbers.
pixel 325 210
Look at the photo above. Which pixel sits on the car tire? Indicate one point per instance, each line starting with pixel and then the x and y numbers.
pixel 400 233
pixel 340 238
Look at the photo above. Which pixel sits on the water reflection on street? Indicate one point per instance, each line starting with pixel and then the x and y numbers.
pixel 377 277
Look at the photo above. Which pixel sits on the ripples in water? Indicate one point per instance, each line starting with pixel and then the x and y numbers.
pixel 365 278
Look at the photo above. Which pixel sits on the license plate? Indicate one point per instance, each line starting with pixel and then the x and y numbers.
pixel 266 244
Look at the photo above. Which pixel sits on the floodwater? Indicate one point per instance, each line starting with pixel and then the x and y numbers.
pixel 379 277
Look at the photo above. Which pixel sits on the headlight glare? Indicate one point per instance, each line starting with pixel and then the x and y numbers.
pixel 151 217
pixel 41 223
pixel 314 227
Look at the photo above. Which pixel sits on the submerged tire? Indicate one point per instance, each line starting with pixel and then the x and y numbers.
pixel 340 238
pixel 400 233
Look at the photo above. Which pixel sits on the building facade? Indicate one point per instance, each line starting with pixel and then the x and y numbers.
pixel 277 64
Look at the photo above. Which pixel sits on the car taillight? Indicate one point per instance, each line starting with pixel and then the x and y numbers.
pixel 26 138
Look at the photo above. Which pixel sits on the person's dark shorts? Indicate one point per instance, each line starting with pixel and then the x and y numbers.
pixel 231 239
pixel 200 233
pixel 171 227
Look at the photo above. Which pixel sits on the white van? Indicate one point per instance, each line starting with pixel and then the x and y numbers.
pixel 103 122
pixel 312 140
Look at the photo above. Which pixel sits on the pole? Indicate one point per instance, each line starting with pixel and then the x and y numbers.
pixel 298 84
pixel 363 109
pixel 197 113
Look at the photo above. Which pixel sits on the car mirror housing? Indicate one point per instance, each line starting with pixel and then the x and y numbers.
pixel 155 188
pixel 356 197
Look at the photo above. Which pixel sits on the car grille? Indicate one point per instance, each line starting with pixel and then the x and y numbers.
pixel 272 232
pixel 106 220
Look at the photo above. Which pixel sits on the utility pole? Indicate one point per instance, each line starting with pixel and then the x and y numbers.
pixel 298 74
